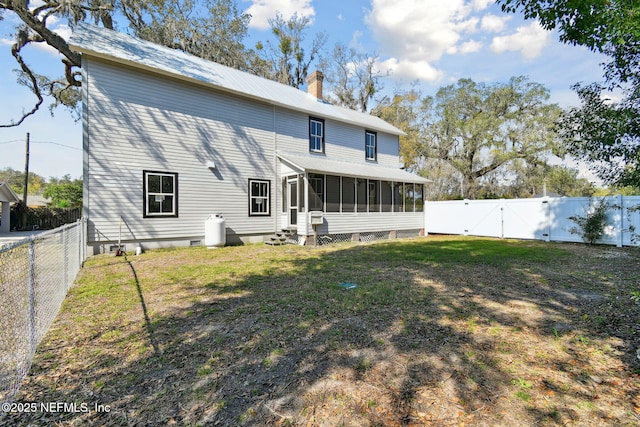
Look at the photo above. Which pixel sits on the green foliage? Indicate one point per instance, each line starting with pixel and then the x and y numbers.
pixel 63 95
pixel 565 181
pixel 602 132
pixel 15 179
pixel 591 226
pixel 531 179
pixel 407 111
pixel 522 383
pixel 64 192
pixel 475 129
pixel 624 191
pixel 605 134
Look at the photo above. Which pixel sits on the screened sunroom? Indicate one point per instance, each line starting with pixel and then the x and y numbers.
pixel 349 197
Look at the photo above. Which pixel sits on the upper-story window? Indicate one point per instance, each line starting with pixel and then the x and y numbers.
pixel 371 145
pixel 316 135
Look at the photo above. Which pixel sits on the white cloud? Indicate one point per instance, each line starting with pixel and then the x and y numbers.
pixel 481 4
pixel 470 47
pixel 263 10
pixel 417 33
pixel 421 30
pixel 494 24
pixel 467 26
pixel 340 17
pixel 612 97
pixel 410 70
pixel 529 40
pixel 355 40
pixel 63 31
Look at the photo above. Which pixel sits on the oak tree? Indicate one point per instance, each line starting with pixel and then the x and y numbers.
pixel 213 29
pixel 352 77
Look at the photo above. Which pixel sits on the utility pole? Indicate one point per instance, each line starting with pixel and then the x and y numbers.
pixel 26 184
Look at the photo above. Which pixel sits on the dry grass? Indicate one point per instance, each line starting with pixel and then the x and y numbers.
pixel 439 331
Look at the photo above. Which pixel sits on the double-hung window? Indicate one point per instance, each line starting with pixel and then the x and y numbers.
pixel 259 192
pixel 160 194
pixel 370 145
pixel 316 135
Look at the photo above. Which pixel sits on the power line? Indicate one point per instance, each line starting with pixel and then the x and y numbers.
pixel 42 142
pixel 57 143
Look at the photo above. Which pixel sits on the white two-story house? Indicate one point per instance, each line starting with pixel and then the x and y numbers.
pixel 170 139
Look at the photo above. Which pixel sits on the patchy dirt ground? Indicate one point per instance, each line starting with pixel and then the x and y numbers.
pixel 439 331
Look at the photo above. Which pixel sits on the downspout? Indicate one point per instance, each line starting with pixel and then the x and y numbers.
pixel 305 191
pixel 276 178
pixel 86 146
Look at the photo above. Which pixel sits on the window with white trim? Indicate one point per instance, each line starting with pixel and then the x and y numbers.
pixel 160 194
pixel 371 146
pixel 316 135
pixel 259 197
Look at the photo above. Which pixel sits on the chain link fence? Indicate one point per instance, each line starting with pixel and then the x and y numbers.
pixel 35 275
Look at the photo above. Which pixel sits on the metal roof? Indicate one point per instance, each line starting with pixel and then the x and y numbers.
pixel 318 163
pixel 107 44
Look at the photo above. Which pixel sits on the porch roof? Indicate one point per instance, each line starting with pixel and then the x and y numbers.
pixel 320 164
pixel 7 194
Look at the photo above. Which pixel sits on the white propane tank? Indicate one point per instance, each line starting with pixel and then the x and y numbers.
pixel 214 232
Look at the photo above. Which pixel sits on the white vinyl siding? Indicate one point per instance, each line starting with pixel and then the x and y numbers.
pixel 341 141
pixel 139 122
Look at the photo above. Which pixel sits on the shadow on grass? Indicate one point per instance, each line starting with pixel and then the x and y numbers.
pixel 443 331
pixel 143 306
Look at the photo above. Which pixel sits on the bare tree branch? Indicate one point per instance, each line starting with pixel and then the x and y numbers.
pixel 22 40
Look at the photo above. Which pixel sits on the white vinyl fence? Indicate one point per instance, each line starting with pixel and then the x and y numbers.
pixel 544 218
pixel 35 275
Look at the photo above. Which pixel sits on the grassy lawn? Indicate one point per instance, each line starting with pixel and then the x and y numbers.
pixel 438 331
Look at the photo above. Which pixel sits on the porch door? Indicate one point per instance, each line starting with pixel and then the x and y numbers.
pixel 292 192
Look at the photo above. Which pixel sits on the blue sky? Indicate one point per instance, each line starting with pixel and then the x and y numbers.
pixel 424 44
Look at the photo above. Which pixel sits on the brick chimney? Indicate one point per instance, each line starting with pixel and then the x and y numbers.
pixel 314 84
